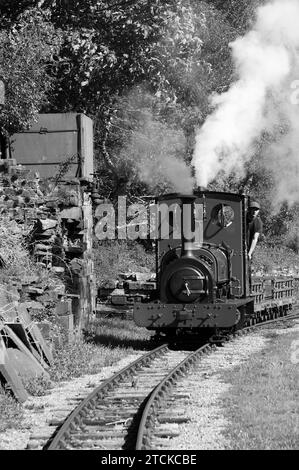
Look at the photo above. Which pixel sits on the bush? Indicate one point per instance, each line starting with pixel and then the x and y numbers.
pixel 11 411
pixel 37 386
pixel 114 257
pixel 274 258
pixel 18 264
pixel 77 358
pixel 13 250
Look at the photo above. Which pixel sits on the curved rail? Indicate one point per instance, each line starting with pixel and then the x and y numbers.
pixel 58 441
pixel 158 395
pixel 145 409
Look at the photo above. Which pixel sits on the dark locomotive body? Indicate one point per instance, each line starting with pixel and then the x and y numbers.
pixel 203 276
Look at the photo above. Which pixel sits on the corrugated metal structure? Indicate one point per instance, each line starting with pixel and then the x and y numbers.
pixel 56 144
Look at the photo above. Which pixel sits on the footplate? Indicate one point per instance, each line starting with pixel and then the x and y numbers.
pixel 158 315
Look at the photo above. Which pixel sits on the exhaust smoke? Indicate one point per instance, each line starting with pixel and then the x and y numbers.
pixel 259 101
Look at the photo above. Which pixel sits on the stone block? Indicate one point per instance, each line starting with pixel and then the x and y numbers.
pixel 109 284
pixel 9 374
pixel 9 298
pixel 74 213
pixel 20 356
pixel 45 328
pixel 63 308
pixel 66 322
pixel 135 285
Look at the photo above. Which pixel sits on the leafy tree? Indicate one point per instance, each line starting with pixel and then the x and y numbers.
pixel 144 71
pixel 27 48
pixel 10 10
pixel 170 49
pixel 239 13
pixel 104 46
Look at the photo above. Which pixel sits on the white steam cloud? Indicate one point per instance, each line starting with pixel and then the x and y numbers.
pixel 267 64
pixel 157 151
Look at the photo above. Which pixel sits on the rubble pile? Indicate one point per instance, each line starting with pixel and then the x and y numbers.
pixel 49 217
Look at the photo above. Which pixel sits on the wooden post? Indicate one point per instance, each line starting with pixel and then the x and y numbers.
pixel 87 289
pixel 2 92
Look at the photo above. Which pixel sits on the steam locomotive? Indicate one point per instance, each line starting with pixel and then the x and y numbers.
pixel 203 275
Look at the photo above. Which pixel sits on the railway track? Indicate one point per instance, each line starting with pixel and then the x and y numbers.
pixel 108 417
pixel 133 409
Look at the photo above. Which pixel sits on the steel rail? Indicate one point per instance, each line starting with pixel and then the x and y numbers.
pixel 155 397
pixel 58 441
pixel 160 392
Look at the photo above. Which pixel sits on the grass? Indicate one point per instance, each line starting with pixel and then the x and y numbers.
pixel 117 256
pixel 37 386
pixel 262 404
pixel 117 332
pixel 78 358
pixel 106 342
pixel 11 412
pixel 18 264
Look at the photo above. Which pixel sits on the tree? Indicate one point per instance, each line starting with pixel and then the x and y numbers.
pixel 10 10
pixel 27 49
pixel 239 13
pixel 175 51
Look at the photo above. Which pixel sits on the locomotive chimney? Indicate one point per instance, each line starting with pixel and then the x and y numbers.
pixel 187 225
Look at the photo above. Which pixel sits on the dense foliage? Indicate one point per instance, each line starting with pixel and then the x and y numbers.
pixel 27 48
pixel 143 70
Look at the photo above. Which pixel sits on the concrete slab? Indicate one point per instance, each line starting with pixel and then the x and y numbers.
pixel 12 341
pixel 9 375
pixel 33 346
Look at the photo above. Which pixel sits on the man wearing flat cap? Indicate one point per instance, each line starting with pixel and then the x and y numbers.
pixel 254 226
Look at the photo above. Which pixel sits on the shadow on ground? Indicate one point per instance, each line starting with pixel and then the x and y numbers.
pixel 113 341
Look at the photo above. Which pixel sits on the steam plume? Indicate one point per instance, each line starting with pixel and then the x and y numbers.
pixel 157 151
pixel 266 63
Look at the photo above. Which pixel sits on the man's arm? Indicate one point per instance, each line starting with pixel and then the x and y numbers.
pixel 253 244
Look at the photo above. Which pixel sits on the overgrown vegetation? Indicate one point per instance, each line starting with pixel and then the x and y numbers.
pixel 144 71
pixel 118 332
pixel 15 256
pixel 117 256
pixel 107 341
pixel 27 47
pixel 262 404
pixel 275 259
pixel 81 357
pixel 18 265
pixel 11 411
pixel 37 386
